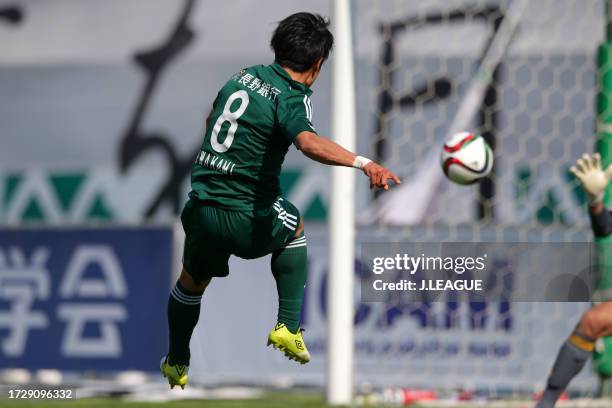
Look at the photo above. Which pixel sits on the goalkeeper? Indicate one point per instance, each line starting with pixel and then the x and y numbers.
pixel 236 207
pixel 597 321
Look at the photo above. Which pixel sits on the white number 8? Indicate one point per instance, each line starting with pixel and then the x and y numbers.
pixel 231 117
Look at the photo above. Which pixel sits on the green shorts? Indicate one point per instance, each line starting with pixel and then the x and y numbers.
pixel 212 234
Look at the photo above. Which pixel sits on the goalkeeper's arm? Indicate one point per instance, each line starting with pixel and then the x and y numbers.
pixel 594 181
pixel 601 221
pixel 327 152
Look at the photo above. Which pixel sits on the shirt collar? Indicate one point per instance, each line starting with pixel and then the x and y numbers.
pixel 293 83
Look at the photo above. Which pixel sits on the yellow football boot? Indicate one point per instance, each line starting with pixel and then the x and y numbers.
pixel 292 345
pixel 176 374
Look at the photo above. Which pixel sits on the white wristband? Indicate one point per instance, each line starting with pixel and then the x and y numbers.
pixel 360 162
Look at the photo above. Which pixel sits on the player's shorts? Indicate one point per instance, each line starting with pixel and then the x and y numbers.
pixel 212 234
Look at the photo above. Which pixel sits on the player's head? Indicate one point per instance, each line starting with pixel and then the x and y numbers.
pixel 302 42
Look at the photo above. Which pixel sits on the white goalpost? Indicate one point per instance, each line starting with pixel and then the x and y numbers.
pixel 341 215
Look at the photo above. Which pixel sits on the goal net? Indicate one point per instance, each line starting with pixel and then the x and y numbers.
pixel 523 75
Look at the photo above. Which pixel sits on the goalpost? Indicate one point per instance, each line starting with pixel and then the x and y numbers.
pixel 341 216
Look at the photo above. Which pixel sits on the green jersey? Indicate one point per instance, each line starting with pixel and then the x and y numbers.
pixel 255 119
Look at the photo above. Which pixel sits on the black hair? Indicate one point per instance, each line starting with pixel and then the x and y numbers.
pixel 300 40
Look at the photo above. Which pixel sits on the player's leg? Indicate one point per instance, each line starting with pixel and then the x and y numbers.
pixel 278 230
pixel 290 269
pixel 202 260
pixel 183 315
pixel 595 323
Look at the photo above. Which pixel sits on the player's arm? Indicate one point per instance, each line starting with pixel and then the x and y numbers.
pixel 601 221
pixel 294 117
pixel 594 181
pixel 328 152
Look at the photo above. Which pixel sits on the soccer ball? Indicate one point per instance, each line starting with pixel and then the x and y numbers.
pixel 466 158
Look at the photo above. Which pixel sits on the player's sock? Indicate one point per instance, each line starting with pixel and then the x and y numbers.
pixel 570 360
pixel 183 314
pixel 290 268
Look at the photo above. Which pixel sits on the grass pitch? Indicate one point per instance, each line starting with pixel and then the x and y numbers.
pixel 271 400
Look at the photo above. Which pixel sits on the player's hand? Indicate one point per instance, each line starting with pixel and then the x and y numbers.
pixel 593 179
pixel 379 176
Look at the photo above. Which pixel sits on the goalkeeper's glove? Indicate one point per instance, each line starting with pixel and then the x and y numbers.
pixel 593 179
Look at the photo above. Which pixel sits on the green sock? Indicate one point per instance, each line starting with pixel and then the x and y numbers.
pixel 290 268
pixel 183 314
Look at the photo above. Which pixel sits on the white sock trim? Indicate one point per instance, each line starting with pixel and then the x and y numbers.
pixel 182 297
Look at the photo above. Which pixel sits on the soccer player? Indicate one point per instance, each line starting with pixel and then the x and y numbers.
pixel 235 206
pixel 597 321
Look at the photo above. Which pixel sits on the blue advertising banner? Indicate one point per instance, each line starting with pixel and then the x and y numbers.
pixel 84 299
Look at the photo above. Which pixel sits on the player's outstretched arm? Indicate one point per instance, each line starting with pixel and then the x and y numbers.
pixel 328 152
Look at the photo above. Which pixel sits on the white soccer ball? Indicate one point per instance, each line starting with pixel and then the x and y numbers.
pixel 466 158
